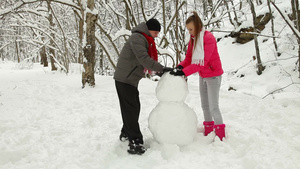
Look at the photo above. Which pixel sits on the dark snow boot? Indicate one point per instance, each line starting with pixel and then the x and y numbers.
pixel 136 147
pixel 123 137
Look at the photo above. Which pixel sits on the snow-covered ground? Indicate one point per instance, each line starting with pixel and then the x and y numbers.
pixel 48 121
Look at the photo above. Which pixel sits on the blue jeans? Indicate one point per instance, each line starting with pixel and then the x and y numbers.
pixel 209 93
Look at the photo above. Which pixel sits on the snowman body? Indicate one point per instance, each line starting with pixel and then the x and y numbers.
pixel 172 121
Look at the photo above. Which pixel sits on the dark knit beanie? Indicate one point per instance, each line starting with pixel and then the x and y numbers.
pixel 153 25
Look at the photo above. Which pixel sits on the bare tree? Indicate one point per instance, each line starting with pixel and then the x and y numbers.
pixel 273 29
pixel 90 46
pixel 66 39
pixel 52 25
pixel 231 9
pixel 43 55
pixel 292 26
pixel 260 67
pixel 296 19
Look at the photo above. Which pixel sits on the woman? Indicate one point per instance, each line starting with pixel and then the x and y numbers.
pixel 202 56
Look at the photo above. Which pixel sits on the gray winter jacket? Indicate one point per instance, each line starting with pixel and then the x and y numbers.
pixel 134 58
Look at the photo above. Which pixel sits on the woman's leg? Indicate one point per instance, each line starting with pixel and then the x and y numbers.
pixel 213 89
pixel 204 99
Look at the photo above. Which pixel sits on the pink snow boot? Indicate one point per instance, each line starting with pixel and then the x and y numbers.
pixel 220 131
pixel 208 127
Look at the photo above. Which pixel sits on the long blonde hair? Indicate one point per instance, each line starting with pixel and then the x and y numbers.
pixel 197 23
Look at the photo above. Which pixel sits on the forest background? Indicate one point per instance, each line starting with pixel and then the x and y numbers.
pixel 48 121
pixel 89 34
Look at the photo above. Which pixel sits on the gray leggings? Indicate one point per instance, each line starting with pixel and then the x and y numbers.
pixel 209 93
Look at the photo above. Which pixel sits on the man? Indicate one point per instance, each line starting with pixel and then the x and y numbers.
pixel 138 54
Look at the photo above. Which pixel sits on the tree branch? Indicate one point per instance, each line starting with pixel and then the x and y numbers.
pixel 287 20
pixel 279 89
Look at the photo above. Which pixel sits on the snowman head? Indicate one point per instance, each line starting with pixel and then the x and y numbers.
pixel 171 88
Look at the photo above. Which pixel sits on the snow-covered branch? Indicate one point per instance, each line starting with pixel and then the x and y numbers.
pixel 105 48
pixel 287 20
pixel 68 3
pixel 279 89
pixel 16 6
pixel 35 27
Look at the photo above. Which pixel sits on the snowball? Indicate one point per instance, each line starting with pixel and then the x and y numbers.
pixel 173 123
pixel 171 88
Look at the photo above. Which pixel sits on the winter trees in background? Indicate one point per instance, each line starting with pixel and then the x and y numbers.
pixel 55 31
pixel 296 19
pixel 293 21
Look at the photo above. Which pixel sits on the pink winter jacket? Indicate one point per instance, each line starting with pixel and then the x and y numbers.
pixel 212 63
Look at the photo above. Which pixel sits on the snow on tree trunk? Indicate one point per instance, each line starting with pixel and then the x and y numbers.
pixel 260 67
pixel 90 46
pixel 273 29
pixel 52 43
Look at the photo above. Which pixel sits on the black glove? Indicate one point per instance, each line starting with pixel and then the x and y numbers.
pixel 177 73
pixel 167 69
pixel 179 67
pixel 159 74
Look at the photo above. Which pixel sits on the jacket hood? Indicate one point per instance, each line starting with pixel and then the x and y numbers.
pixel 142 27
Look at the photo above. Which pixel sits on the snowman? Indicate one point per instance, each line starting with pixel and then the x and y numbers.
pixel 172 121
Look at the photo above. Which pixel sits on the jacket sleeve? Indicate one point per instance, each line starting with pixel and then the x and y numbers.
pixel 139 46
pixel 209 47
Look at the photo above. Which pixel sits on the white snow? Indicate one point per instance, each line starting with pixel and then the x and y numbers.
pixel 171 88
pixel 172 121
pixel 48 122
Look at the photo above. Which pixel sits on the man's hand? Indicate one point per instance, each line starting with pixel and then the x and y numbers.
pixel 167 69
pixel 177 73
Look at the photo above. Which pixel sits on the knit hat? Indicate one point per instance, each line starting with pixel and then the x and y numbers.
pixel 153 25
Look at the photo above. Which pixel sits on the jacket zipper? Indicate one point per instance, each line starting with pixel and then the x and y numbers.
pixel 131 71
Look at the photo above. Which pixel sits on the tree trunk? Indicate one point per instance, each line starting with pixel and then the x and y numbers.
pixel 44 60
pixel 176 35
pixel 128 27
pixel 90 46
pixel 296 19
pixel 229 15
pixel 205 10
pixel 17 50
pixel 51 50
pixel 80 32
pixel 101 62
pixel 272 28
pixel 17 46
pixel 211 7
pixel 81 24
pixel 235 15
pixel 52 56
pixel 260 67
